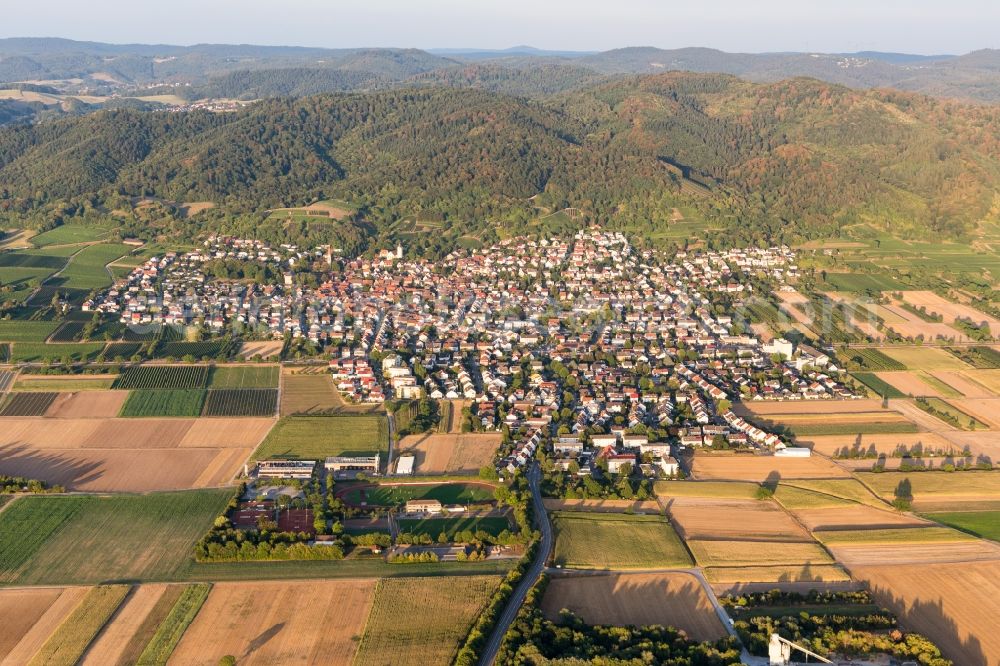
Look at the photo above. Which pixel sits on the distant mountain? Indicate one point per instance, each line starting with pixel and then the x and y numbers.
pixel 480 54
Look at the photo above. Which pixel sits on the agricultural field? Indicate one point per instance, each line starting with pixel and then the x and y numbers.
pixel 164 402
pixel 732 519
pixel 984 524
pixel 872 360
pixel 129 455
pixel 949 310
pixel 610 541
pixel 88 539
pixel 316 437
pixel 268 350
pixel 717 489
pixel 241 402
pixel 434 527
pixel 243 377
pixel 908 383
pixel 132 627
pixel 30 352
pixel 762 468
pixel 861 282
pixel 671 599
pixel 933 486
pixel 805 424
pixel 451 453
pixel 909 324
pixel 954 606
pixel 808 573
pixel 422 621
pixel 892 535
pixel 176 622
pixel 29 616
pixel 924 358
pixel 950 414
pixel 603 505
pixel 163 377
pixel 308 393
pixel 396 495
pixel 69 641
pixel 985 410
pixel 738 553
pixel 318 623
pixel 979 357
pixel 87 405
pixel 877 385
pixel 26 331
pixel 87 269
pixel 70 234
pixel 27 404
pixel 852 517
pixel 841 491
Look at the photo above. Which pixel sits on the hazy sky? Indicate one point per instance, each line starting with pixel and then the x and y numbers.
pixel 915 26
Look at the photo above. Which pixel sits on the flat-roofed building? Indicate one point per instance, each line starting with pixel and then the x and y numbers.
pixel 341 464
pixel 423 506
pixel 404 465
pixel 285 469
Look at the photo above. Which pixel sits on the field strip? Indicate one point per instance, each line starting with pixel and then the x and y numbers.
pixel 36 637
pixel 111 642
pixel 221 466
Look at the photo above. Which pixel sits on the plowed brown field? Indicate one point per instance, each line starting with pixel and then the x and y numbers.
pixel 674 599
pixel 733 519
pixel 27 627
pixel 114 639
pixel 87 405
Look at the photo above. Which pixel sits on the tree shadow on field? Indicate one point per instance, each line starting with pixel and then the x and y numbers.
pixel 53 468
pixel 262 639
pixel 930 619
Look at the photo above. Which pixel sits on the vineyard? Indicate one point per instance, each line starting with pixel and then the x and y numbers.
pixel 880 387
pixel 27 404
pixel 163 377
pixel 241 402
pixel 873 360
pixel 164 402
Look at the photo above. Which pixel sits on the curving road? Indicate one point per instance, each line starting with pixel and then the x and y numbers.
pixel 489 654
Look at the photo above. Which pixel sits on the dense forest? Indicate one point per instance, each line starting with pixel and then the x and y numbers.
pixel 798 159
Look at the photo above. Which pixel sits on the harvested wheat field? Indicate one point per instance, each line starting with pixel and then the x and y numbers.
pixel 986 410
pixel 672 599
pixel 265 349
pixel 763 468
pixel 732 519
pixel 855 516
pixel 440 454
pixel 971 550
pixel 874 445
pixel 29 617
pixel 124 470
pixel 797 573
pixel 956 607
pixel 910 325
pixel 603 506
pixel 771 407
pixel 227 433
pixel 988 379
pixel 949 309
pixel 963 384
pixel 87 405
pixel 279 622
pixel 114 645
pixel 738 553
pixel 909 383
pixel 304 392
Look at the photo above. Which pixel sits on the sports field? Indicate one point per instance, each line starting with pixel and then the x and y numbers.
pixel 616 541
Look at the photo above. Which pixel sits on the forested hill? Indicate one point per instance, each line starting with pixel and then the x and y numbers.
pixel 798 158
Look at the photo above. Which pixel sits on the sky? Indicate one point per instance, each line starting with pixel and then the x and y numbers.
pixel 911 26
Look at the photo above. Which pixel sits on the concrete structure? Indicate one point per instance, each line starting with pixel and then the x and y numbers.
pixel 286 469
pixel 339 464
pixel 423 506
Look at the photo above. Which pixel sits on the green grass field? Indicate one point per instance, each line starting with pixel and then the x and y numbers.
pixel 86 539
pixel 164 402
pixel 244 376
pixel 720 489
pixel 433 527
pixel 34 383
pixel 878 386
pixel 39 351
pixel 70 233
pixel 985 524
pixel 446 493
pixel 321 436
pixel 86 269
pixel 26 331
pixel 617 541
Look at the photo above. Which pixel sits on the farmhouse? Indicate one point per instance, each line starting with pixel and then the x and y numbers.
pixel 285 469
pixel 340 464
pixel 423 506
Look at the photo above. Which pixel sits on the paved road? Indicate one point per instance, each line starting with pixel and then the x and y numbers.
pixel 489 654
